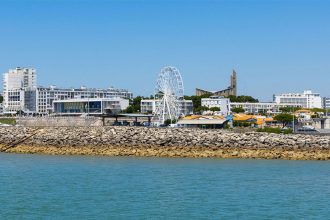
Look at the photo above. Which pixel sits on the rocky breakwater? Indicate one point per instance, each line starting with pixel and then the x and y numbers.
pixel 162 142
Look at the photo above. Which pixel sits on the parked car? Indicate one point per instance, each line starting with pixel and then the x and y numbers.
pixel 137 123
pixel 307 128
pixel 117 123
pixel 126 123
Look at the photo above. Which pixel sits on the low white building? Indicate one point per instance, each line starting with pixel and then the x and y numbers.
pixel 93 106
pixel 307 99
pixel 261 107
pixel 149 106
pixel 217 101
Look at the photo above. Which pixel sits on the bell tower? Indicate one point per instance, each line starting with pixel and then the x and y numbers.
pixel 233 83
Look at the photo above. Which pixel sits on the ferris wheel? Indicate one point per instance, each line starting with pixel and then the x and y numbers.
pixel 168 94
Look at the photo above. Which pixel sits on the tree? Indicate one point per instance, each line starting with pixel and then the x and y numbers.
pixel 289 109
pixel 129 109
pixel 201 109
pixel 1 99
pixel 242 98
pixel 284 118
pixel 238 110
pixel 215 109
pixel 318 110
pixel 197 101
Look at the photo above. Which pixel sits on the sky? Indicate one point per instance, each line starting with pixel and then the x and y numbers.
pixel 275 46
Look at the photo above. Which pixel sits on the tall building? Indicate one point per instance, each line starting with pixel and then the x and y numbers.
pixel 15 83
pixel 21 93
pixel 307 99
pixel 231 90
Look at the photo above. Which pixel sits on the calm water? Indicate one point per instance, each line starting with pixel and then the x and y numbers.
pixel 73 187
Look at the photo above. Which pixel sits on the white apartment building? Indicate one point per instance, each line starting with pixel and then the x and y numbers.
pixel 307 99
pixel 15 83
pixel 149 106
pixel 21 93
pixel 217 101
pixel 261 107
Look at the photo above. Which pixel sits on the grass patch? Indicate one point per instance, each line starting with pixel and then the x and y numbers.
pixel 275 130
pixel 8 121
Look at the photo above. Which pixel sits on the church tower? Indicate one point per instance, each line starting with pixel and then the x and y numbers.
pixel 233 83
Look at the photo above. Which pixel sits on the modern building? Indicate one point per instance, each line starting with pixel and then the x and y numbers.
pixel 93 106
pixel 21 93
pixel 231 90
pixel 261 107
pixel 15 83
pixel 326 103
pixel 46 96
pixel 149 106
pixel 1 108
pixel 307 99
pixel 217 101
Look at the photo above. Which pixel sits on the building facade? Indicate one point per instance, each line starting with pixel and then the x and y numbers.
pixel 46 96
pixel 22 94
pixel 217 101
pixel 307 99
pixel 326 102
pixel 148 106
pixel 261 107
pixel 15 83
pixel 93 106
pixel 231 90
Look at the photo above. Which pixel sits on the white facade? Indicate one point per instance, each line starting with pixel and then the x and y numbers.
pixel 217 101
pixel 149 106
pixel 261 107
pixel 46 96
pixel 307 99
pixel 22 94
pixel 15 83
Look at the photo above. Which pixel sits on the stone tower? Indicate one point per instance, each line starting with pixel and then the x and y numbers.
pixel 233 83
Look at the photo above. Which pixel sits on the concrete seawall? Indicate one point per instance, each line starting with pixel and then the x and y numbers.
pixel 162 142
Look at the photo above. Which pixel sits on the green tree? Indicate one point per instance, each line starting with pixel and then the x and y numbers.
pixel 197 101
pixel 169 121
pixel 201 109
pixel 215 109
pixel 1 99
pixel 242 98
pixel 284 118
pixel 318 110
pixel 289 109
pixel 129 109
pixel 238 110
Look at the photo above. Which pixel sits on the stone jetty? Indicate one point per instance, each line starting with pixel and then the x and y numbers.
pixel 162 142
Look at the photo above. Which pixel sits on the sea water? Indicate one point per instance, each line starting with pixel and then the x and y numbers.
pixel 86 187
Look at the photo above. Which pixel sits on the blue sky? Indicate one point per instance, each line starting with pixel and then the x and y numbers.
pixel 274 45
